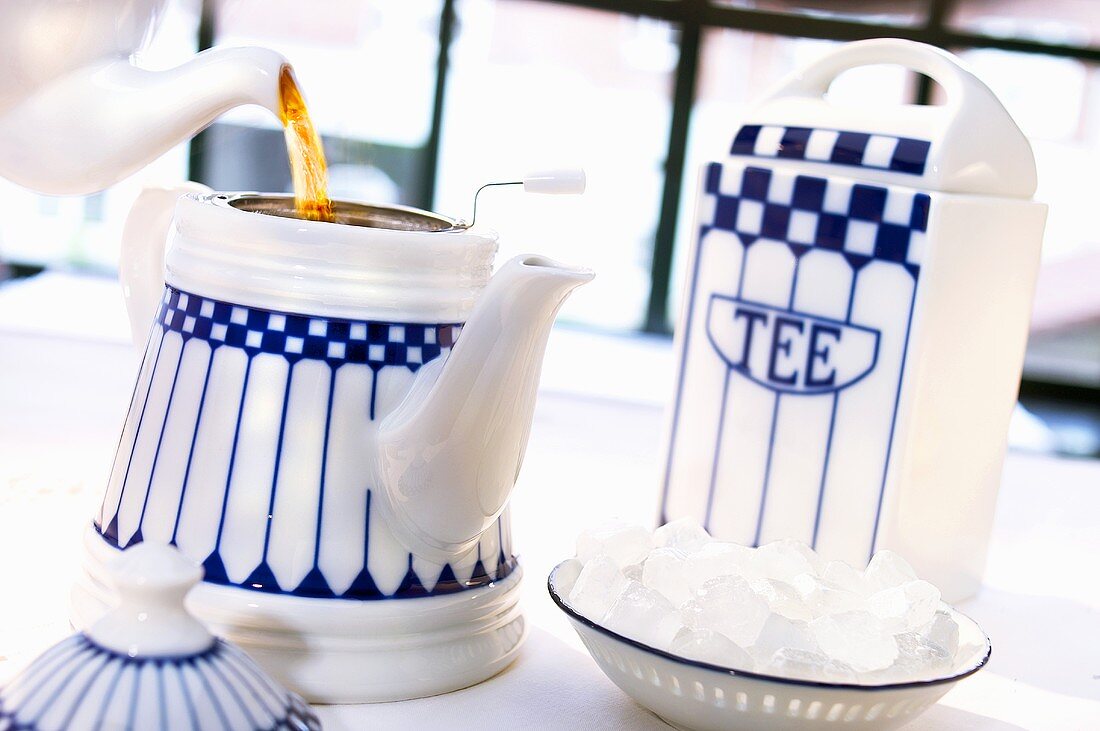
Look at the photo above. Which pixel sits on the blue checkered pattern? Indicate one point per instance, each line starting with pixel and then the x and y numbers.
pixel 861 221
pixel 840 147
pixel 296 337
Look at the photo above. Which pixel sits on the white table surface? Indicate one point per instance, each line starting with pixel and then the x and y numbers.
pixel 62 396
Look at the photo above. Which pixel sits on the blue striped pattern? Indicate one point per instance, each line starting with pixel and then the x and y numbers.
pixel 863 223
pixel 381 346
pixel 78 685
pixel 904 155
pixel 315 585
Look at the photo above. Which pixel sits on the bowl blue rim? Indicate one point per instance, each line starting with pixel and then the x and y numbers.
pixel 575 616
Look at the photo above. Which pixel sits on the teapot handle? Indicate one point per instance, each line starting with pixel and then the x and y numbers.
pixel 141 263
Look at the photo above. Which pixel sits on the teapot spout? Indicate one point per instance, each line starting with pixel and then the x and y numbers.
pixel 451 453
pixel 97 125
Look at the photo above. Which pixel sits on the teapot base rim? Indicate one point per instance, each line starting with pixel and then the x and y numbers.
pixel 341 651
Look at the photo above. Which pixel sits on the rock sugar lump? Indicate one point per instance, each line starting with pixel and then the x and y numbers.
pixel 779 609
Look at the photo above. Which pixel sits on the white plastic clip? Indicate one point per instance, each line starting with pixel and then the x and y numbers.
pixel 565 181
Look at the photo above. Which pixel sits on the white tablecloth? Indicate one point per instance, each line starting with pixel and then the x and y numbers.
pixel 62 401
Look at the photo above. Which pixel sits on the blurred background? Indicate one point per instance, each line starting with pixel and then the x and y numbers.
pixel 422 101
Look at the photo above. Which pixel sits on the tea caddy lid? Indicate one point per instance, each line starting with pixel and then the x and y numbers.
pixel 148 663
pixel 969 144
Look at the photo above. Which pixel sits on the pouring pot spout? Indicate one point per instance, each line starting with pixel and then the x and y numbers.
pixel 92 127
pixel 451 452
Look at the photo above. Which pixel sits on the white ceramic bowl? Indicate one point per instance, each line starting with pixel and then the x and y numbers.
pixel 695 695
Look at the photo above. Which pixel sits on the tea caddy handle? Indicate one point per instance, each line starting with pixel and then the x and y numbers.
pixel 141 262
pixel 976 146
pixel 939 65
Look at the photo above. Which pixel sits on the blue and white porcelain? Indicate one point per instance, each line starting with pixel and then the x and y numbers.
pixel 857 304
pixel 329 418
pixel 149 664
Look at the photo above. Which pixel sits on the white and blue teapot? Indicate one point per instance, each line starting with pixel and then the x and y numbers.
pixel 330 418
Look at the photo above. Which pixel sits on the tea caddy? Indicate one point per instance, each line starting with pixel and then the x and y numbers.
pixel 857 305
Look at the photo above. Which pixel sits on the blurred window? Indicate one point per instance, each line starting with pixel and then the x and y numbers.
pixel 884 12
pixel 535 85
pixel 422 101
pixel 1057 22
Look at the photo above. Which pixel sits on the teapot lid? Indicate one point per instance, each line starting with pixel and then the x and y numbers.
pixel 392 264
pixel 148 663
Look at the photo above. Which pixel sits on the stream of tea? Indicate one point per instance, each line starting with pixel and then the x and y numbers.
pixel 308 169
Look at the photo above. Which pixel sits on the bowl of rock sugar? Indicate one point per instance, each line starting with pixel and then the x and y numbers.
pixel 712 635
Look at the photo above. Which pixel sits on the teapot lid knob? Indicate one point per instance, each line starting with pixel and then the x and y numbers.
pixel 150 620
